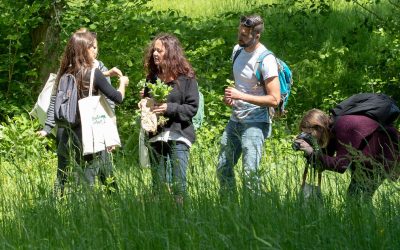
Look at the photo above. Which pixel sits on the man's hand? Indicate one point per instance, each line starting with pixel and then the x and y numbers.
pixel 233 94
pixel 111 148
pixel 160 109
pixel 229 101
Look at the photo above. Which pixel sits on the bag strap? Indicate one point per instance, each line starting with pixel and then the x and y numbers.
pixel 319 178
pixel 304 177
pixel 237 52
pixel 91 82
pixel 305 173
pixel 259 64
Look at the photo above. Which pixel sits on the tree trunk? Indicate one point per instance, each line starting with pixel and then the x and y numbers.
pixel 46 38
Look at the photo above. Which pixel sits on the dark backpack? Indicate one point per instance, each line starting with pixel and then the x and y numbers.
pixel 284 74
pixel 379 107
pixel 66 103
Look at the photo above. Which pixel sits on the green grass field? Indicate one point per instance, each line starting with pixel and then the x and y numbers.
pixel 206 8
pixel 134 218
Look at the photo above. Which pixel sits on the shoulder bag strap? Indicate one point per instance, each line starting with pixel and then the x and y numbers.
pixel 237 52
pixel 91 81
pixel 259 63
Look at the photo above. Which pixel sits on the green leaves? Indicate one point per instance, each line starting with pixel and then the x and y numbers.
pixel 230 82
pixel 19 140
pixel 159 91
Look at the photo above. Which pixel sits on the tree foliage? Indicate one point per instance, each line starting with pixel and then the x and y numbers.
pixel 335 48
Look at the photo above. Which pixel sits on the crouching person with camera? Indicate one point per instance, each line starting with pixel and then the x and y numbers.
pixel 355 142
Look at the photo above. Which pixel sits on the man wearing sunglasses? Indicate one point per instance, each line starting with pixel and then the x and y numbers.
pixel 250 123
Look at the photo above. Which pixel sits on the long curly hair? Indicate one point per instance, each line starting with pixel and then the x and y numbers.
pixel 76 59
pixel 174 63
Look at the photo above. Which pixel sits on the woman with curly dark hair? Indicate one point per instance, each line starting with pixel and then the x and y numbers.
pixel 170 145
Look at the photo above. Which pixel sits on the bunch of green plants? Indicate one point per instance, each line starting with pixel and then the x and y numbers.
pixel 159 91
pixel 230 83
pixel 20 51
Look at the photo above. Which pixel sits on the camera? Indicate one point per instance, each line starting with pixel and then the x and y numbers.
pixel 304 136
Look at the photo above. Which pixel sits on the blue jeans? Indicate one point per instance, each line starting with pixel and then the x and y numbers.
pixel 102 167
pixel 169 163
pixel 237 139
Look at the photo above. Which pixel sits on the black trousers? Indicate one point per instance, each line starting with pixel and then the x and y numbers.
pixel 69 152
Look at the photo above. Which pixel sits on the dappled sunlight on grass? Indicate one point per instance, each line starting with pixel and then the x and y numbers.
pixel 205 8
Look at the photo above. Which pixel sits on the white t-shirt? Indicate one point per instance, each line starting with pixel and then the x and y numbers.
pixel 246 81
pixel 170 136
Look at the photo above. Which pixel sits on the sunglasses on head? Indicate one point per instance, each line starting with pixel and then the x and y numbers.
pixel 247 22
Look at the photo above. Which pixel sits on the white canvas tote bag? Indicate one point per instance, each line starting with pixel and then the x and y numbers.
pixel 98 121
pixel 43 102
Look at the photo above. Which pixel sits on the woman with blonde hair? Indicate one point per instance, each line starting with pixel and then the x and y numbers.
pixel 355 142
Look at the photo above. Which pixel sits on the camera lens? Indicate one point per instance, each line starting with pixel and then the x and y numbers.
pixel 296 146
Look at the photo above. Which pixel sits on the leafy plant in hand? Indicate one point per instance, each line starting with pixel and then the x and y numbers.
pixel 159 92
pixel 231 83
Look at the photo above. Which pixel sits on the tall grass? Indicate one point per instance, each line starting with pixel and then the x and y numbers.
pixel 135 218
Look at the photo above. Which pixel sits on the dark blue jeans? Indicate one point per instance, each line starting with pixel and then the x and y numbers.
pixel 169 161
pixel 101 166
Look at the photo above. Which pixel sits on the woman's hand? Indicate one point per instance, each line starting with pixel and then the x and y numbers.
pixel 160 109
pixel 124 80
pixel 113 72
pixel 305 147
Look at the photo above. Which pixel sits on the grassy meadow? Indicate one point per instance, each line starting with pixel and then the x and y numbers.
pixel 324 47
pixel 204 8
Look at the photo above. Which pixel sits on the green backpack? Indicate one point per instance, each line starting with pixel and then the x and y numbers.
pixel 197 120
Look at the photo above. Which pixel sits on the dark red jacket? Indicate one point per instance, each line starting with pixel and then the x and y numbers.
pixel 362 139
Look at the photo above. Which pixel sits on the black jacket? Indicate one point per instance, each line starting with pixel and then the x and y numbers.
pixel 182 104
